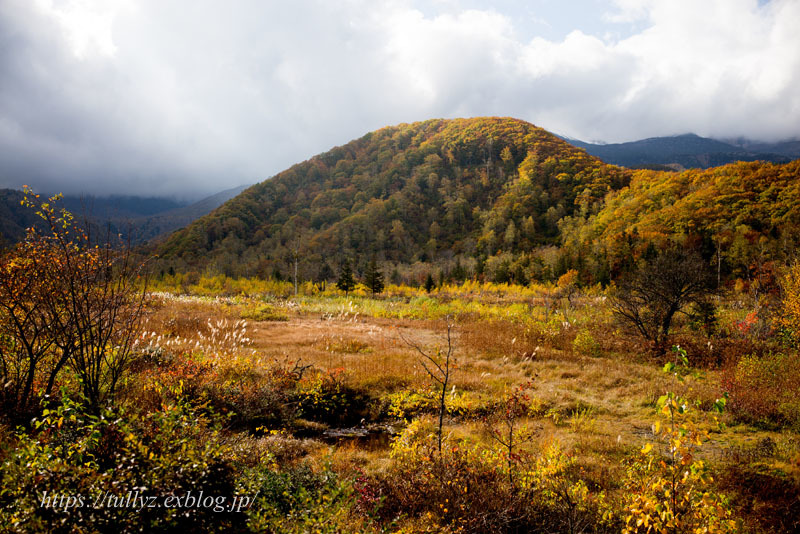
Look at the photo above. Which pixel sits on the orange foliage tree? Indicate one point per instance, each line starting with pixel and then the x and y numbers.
pixel 66 303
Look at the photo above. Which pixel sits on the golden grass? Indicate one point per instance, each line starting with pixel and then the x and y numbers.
pixel 599 407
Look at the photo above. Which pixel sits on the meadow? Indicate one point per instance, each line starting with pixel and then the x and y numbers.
pixel 556 418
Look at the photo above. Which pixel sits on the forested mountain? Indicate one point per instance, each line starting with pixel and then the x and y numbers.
pixel 14 218
pixel 688 151
pixel 495 197
pixel 422 192
pixel 160 224
pixel 789 148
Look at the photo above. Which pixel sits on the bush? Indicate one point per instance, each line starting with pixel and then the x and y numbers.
pixel 586 345
pixel 764 389
pixel 298 499
pixel 326 398
pixel 67 301
pixel 670 490
pixel 263 313
pixel 84 458
pixel 470 488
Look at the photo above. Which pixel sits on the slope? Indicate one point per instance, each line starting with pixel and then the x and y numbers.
pixel 407 193
pixel 743 217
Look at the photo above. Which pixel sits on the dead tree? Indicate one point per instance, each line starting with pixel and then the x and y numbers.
pixel 439 367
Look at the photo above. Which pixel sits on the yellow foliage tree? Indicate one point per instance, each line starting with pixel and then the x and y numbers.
pixel 670 490
pixel 789 319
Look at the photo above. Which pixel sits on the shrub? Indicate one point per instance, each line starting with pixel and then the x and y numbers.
pixel 470 488
pixel 586 345
pixel 66 301
pixel 298 499
pixel 85 458
pixel 325 397
pixel 670 490
pixel 264 312
pixel 764 389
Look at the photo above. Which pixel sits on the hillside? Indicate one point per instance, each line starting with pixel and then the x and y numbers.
pixel 14 218
pixel 157 225
pixel 687 151
pixel 413 192
pixel 140 218
pixel 741 216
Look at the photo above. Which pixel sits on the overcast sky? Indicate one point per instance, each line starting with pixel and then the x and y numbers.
pixel 189 97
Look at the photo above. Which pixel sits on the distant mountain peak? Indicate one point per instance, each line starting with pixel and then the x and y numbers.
pixel 687 150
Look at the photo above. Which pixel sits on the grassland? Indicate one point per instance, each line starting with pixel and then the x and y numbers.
pixel 592 391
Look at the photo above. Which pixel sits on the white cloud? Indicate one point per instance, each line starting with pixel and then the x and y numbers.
pixel 190 97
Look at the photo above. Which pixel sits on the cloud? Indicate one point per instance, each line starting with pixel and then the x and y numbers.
pixel 190 97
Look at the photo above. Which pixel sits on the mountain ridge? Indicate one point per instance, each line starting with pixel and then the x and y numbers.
pixel 688 151
pixel 140 218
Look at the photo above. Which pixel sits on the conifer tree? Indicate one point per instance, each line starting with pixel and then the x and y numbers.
pixel 346 281
pixel 374 277
pixel 429 283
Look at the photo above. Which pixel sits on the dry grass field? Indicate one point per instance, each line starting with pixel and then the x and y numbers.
pixel 592 391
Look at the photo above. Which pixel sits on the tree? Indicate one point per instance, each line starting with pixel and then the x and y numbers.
pixel 373 278
pixel 439 367
pixel 567 289
pixel 28 354
pixel 66 300
pixel 789 319
pixel 346 281
pixel 649 299
pixel 429 283
pixel 325 274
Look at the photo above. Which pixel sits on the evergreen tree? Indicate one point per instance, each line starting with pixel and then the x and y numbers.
pixel 346 281
pixel 373 277
pixel 458 273
pixel 325 273
pixel 429 283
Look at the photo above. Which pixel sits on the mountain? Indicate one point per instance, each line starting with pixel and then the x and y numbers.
pixel 789 148
pixel 687 151
pixel 118 208
pixel 14 218
pixel 413 192
pixel 159 224
pixel 140 218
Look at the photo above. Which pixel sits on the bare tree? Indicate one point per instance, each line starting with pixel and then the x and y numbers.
pixel 439 367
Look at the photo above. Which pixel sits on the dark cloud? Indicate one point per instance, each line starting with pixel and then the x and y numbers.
pixel 191 97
